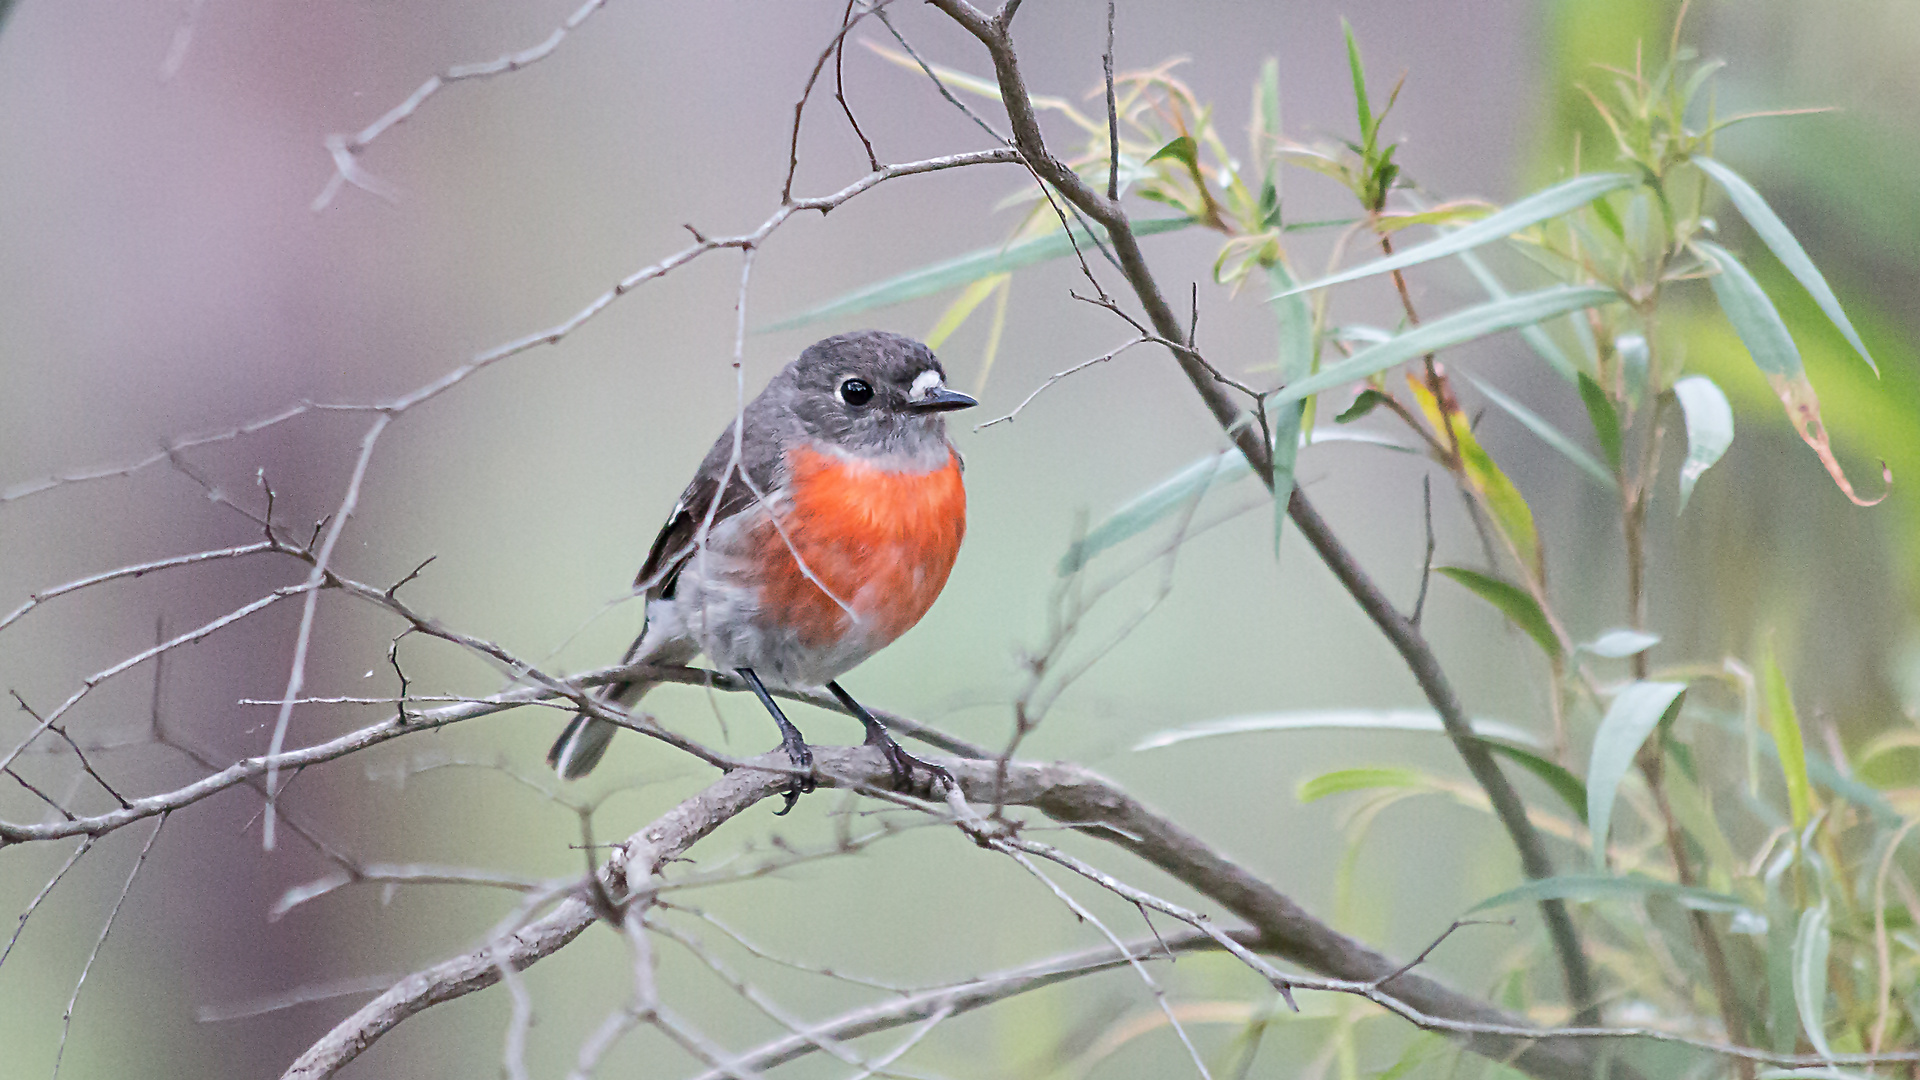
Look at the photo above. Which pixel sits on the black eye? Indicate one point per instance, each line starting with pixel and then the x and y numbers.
pixel 856 392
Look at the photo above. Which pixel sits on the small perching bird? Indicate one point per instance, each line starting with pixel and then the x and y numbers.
pixel 840 518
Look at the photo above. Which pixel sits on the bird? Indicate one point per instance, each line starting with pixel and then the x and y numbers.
pixel 820 527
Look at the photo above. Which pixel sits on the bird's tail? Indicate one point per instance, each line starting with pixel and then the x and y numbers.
pixel 584 742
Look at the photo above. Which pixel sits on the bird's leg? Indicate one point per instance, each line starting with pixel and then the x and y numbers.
pixel 899 762
pixel 791 741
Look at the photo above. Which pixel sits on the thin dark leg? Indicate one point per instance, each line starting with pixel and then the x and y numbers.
pixel 899 762
pixel 791 741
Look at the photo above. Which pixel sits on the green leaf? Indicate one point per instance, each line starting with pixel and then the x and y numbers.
pixel 1496 489
pixel 1779 239
pixel 1586 887
pixel 1782 1018
pixel 1811 944
pixel 1550 435
pixel 1785 725
pixel 1634 357
pixel 1141 511
pixel 1564 784
pixel 1606 422
pixel 1181 149
pixel 1362 779
pixel 1361 105
pixel 1453 329
pixel 1513 602
pixel 1406 720
pixel 1506 740
pixel 1765 335
pixel 1709 428
pixel 1266 123
pixel 1635 712
pixel 1295 362
pixel 1620 644
pixel 963 270
pixel 1363 404
pixel 962 307
pixel 1753 315
pixel 1532 210
pixel 1535 336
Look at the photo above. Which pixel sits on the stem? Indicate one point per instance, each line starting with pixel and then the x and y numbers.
pixel 1401 634
pixel 1634 530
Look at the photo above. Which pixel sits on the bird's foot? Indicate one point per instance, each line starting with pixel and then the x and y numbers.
pixel 802 757
pixel 901 764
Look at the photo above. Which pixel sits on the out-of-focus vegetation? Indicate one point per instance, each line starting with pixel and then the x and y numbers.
pixel 1746 876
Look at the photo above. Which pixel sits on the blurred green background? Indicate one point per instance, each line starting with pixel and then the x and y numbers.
pixel 160 274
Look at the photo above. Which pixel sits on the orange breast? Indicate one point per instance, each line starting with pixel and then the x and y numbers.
pixel 880 542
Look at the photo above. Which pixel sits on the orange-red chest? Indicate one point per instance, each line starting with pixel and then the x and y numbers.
pixel 879 542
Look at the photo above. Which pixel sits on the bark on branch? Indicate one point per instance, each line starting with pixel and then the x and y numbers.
pixel 1066 793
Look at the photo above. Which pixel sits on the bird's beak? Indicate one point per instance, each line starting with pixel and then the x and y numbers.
pixel 941 399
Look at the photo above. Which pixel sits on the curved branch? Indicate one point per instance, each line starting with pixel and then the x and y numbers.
pixel 1066 793
pixel 1239 426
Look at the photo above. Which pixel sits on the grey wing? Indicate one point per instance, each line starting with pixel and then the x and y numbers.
pixel 701 504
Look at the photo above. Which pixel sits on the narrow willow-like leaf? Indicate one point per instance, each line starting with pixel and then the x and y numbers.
pixel 1620 644
pixel 1584 887
pixel 1820 771
pixel 1709 428
pixel 1783 1019
pixel 961 309
pixel 1453 329
pixel 1811 945
pixel 1765 335
pixel 1401 720
pixel 1493 488
pixel 1141 511
pixel 1550 435
pixel 1361 105
pixel 1532 210
pixel 1535 336
pixel 1780 240
pixel 1787 740
pixel 955 272
pixel 1506 740
pixel 1295 362
pixel 1511 600
pixel 1601 413
pixel 1363 779
pixel 1635 712
pixel 1564 784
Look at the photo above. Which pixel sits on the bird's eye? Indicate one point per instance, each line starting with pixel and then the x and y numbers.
pixel 856 392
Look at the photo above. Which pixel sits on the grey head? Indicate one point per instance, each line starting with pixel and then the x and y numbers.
pixel 870 393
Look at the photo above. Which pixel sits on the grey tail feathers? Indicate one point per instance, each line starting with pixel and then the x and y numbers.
pixel 584 742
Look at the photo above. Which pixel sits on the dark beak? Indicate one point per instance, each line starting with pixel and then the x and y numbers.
pixel 942 400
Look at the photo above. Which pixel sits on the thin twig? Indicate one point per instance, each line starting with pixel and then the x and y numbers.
pixel 1113 117
pixel 345 149
pixel 1426 561
pixel 66 1019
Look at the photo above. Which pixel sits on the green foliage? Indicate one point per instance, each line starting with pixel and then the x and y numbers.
pixel 1783 870
pixel 1512 601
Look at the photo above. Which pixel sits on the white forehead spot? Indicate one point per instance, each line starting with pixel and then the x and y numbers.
pixel 923 384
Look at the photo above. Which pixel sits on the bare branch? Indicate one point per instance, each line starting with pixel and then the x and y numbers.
pixel 66 1019
pixel 34 600
pixel 86 844
pixel 1066 793
pixel 1056 377
pixel 346 149
pixel 296 679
